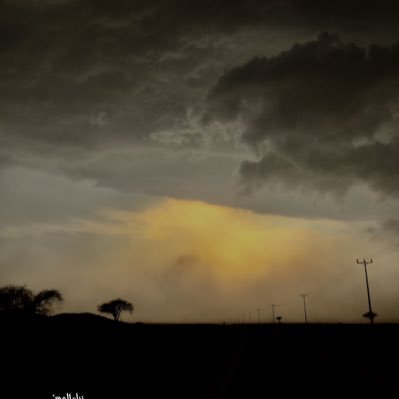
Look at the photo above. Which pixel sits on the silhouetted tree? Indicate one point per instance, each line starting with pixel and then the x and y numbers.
pixel 15 299
pixel 19 299
pixel 116 307
pixel 44 301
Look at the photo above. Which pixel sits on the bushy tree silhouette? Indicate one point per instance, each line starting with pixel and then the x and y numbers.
pixel 21 300
pixel 15 299
pixel 44 301
pixel 116 307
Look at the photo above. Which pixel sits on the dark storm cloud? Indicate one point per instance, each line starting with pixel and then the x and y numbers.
pixel 322 114
pixel 74 71
pixel 87 72
pixel 84 74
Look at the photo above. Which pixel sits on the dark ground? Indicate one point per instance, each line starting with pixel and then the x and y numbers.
pixel 99 358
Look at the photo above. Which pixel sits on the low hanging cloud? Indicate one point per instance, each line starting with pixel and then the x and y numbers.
pixel 186 260
pixel 323 115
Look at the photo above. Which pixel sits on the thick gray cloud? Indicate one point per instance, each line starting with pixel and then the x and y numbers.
pixel 88 87
pixel 323 114
pixel 85 72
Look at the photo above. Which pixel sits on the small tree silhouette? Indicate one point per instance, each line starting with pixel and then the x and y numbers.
pixel 20 299
pixel 116 307
pixel 44 301
pixel 15 299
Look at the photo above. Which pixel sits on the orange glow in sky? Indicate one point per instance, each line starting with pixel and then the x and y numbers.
pixel 229 243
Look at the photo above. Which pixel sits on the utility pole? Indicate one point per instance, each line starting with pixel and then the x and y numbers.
pixel 258 310
pixel 304 306
pixel 250 317
pixel 370 314
pixel 273 313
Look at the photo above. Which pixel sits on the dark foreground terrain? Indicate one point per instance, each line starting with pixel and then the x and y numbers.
pixel 99 358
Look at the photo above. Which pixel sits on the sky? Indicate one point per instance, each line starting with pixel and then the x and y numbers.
pixel 202 159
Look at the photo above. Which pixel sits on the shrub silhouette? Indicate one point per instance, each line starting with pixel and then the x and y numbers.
pixel 44 301
pixel 21 300
pixel 116 307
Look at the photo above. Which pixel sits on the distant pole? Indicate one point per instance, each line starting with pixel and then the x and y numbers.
pixel 273 313
pixel 370 314
pixel 304 306
pixel 250 317
pixel 258 310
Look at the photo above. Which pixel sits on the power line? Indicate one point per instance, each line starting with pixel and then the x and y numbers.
pixel 304 306
pixel 334 279
pixel 273 313
pixel 387 258
pixel 370 314
pixel 395 244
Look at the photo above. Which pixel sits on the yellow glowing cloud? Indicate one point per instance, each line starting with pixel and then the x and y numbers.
pixel 188 260
pixel 229 243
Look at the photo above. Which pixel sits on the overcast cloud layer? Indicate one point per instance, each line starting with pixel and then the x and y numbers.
pixel 259 80
pixel 280 107
pixel 87 73
pixel 323 113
